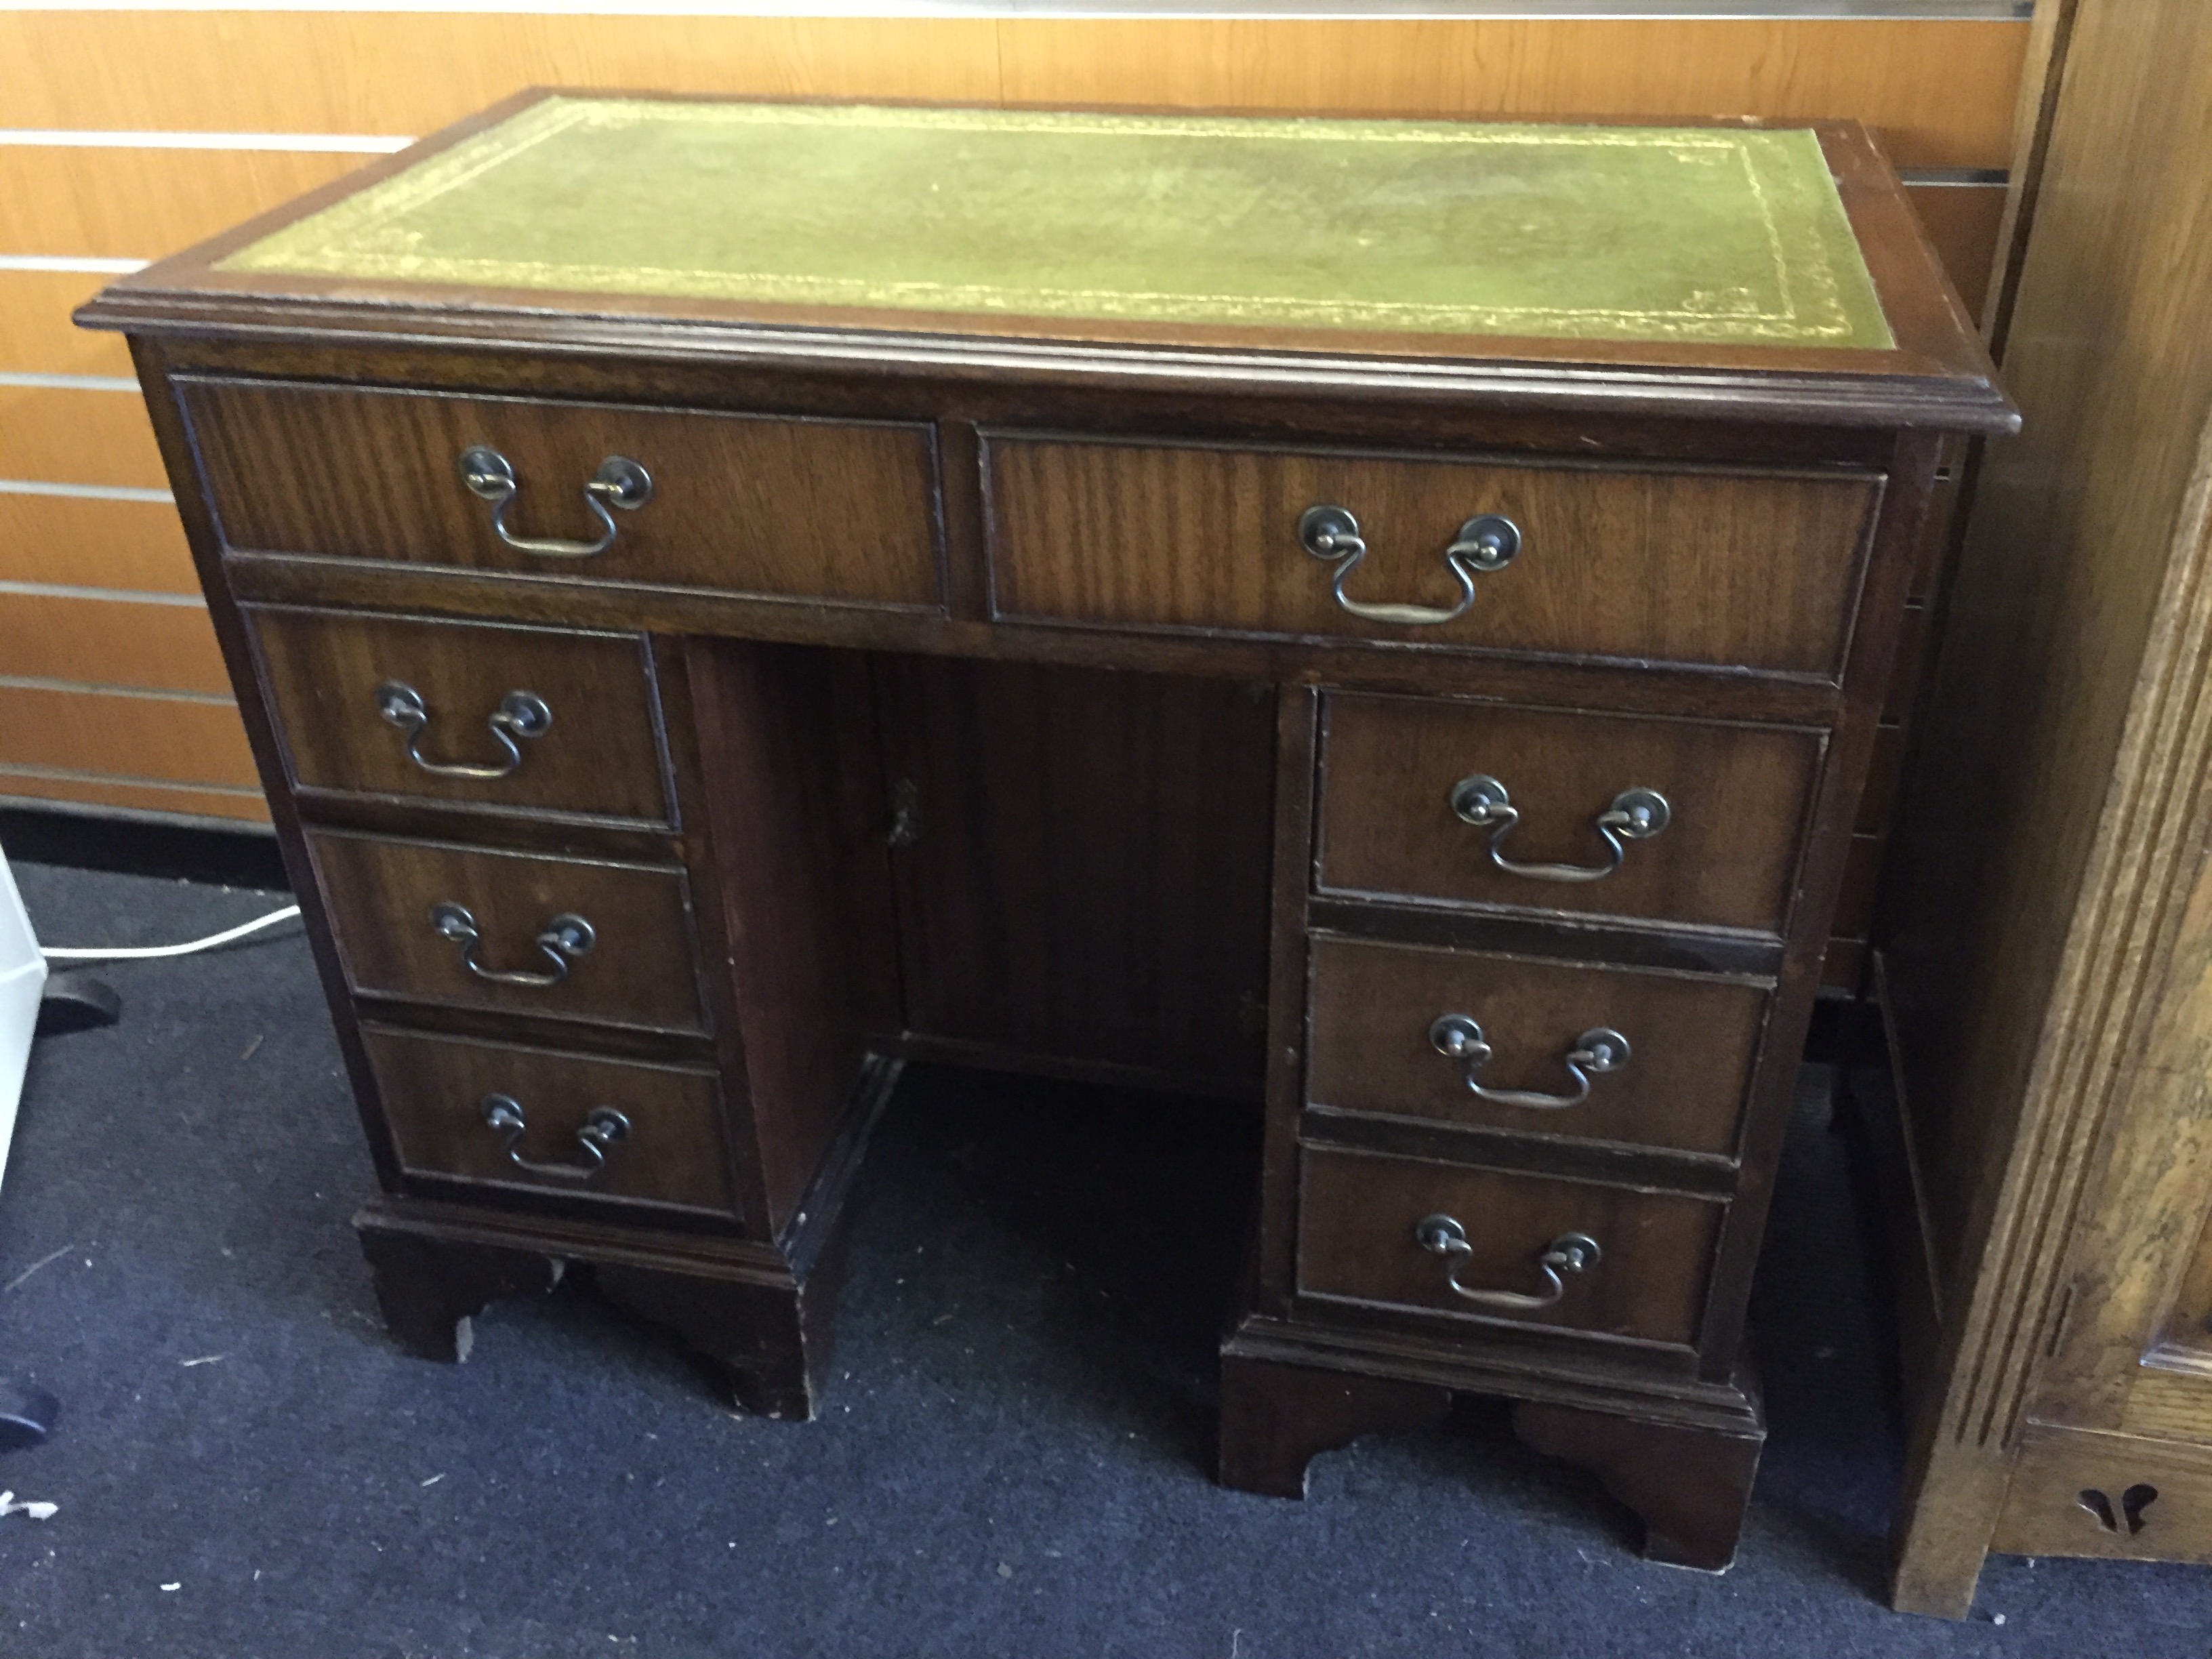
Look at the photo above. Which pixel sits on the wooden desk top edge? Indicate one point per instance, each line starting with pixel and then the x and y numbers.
pixel 1939 376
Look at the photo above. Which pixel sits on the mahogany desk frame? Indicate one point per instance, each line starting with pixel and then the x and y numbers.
pixel 780 822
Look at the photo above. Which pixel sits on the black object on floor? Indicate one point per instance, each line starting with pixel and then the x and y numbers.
pixel 76 1001
pixel 26 1414
pixel 1014 1456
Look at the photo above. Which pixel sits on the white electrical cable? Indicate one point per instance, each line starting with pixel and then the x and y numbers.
pixel 136 953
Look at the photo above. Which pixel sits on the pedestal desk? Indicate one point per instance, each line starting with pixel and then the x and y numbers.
pixel 1384 616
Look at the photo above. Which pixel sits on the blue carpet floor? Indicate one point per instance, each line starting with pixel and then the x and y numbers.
pixel 1013 1458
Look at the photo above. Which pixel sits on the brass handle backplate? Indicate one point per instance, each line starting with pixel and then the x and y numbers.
pixel 1596 1051
pixel 565 938
pixel 1636 814
pixel 599 1134
pixel 1487 542
pixel 620 482
pixel 521 715
pixel 1570 1253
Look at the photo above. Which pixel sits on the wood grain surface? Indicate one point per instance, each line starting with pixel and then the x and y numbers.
pixel 1706 567
pixel 1356 1219
pixel 600 757
pixel 149 739
pixel 379 893
pixel 1082 880
pixel 2049 876
pixel 115 642
pixel 78 541
pixel 1739 796
pixel 1939 92
pixel 247 808
pixel 433 1089
pixel 36 335
pixel 2123 1497
pixel 793 841
pixel 119 202
pixel 834 511
pixel 1691 1043
pixel 70 435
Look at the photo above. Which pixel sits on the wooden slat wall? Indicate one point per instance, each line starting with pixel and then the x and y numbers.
pixel 36 335
pixel 125 134
pixel 72 541
pixel 135 203
pixel 78 434
pixel 1941 92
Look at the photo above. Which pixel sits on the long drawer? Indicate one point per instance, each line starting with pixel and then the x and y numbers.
pixel 577 938
pixel 495 1114
pixel 512 718
pixel 837 511
pixel 1472 804
pixel 1541 1048
pixel 1724 568
pixel 1400 1233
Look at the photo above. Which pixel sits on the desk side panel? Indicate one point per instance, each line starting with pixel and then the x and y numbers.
pixel 786 746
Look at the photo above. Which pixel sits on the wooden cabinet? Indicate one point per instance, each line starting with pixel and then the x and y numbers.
pixel 2049 919
pixel 1436 705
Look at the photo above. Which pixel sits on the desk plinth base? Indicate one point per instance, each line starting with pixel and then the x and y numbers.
pixel 764 1326
pixel 1683 1463
pixel 762 1313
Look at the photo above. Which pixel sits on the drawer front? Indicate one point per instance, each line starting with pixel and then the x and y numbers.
pixel 1677 1077
pixel 519 719
pixel 1756 570
pixel 668 1151
pixel 1738 801
pixel 821 510
pixel 1359 1239
pixel 572 937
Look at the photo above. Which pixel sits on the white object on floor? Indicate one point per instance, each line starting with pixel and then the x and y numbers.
pixel 23 978
pixel 145 952
pixel 8 1503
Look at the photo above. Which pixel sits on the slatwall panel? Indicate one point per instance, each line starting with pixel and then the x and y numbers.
pixel 1939 92
pixel 56 732
pixel 78 434
pixel 57 635
pixel 87 542
pixel 125 134
pixel 36 336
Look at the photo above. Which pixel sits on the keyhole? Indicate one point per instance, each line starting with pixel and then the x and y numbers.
pixel 2133 1502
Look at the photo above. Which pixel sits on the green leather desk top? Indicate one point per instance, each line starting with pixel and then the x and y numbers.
pixel 1715 234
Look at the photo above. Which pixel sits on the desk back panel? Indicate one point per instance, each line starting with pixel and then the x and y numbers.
pixel 1087 879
